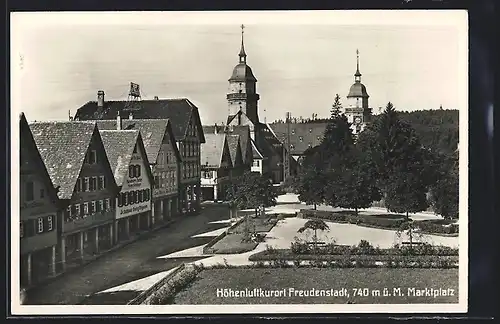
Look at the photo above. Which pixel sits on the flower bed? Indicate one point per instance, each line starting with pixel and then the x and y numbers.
pixel 364 254
pixel 384 221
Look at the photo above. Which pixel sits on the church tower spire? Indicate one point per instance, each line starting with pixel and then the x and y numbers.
pixel 242 55
pixel 357 75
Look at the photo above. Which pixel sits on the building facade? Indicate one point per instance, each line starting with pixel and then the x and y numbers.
pixel 75 158
pixel 127 157
pixel 216 167
pixel 186 126
pixel 38 213
pixel 164 161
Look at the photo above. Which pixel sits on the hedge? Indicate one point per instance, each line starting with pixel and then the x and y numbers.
pixel 426 226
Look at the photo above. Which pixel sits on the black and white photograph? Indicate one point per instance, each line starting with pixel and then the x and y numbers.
pixel 239 162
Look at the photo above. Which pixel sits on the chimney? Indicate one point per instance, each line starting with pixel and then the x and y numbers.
pixel 100 99
pixel 130 116
pixel 156 98
pixel 118 122
pixel 216 129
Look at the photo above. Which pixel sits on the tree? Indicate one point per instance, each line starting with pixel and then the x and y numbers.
pixel 314 225
pixel 444 193
pixel 252 190
pixel 411 230
pixel 338 138
pixel 310 182
pixel 398 158
pixel 355 185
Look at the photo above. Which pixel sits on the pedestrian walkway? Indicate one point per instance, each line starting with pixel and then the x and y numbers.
pixel 129 263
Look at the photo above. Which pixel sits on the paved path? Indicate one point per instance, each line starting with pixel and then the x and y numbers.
pixel 134 261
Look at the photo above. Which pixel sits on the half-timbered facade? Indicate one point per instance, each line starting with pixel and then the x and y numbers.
pixel 75 158
pixel 38 211
pixel 128 159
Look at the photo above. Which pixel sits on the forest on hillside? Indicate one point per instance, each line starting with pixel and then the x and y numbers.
pixel 437 129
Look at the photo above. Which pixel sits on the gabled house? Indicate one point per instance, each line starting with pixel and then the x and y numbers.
pixel 76 161
pixel 216 167
pixel 238 167
pixel 186 126
pixel 164 160
pixel 38 210
pixel 127 157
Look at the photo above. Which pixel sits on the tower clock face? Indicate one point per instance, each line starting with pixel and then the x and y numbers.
pixel 357 120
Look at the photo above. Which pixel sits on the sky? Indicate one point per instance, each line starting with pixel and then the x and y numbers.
pixel 417 60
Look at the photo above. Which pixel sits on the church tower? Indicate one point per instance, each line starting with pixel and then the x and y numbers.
pixel 357 111
pixel 242 94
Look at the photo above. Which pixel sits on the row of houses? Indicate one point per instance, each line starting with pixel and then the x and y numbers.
pixel 85 186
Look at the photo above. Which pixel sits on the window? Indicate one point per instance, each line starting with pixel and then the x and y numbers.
pixel 100 183
pixel 70 211
pixel 92 157
pixel 130 171
pixel 50 223
pixel 130 197
pixel 93 184
pixel 42 193
pixel 103 182
pixel 77 209
pixel 255 163
pixel 207 174
pixel 125 199
pixel 85 208
pixel 107 204
pixel 78 185
pixel 138 171
pixel 29 191
pixel 148 194
pixel 93 207
pixel 156 182
pixel 85 185
pixel 40 225
pixel 21 229
pixel 140 196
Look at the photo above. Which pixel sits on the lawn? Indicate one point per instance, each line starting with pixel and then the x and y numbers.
pixel 232 243
pixel 203 290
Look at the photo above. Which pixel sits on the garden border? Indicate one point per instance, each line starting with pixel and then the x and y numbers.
pixel 138 300
pixel 207 249
pixel 300 214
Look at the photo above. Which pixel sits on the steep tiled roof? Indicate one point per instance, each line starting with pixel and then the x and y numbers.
pixel 63 146
pixel 178 111
pixel 301 135
pixel 119 146
pixel 152 132
pixel 255 151
pixel 212 149
pixel 244 132
pixel 233 141
pixel 27 141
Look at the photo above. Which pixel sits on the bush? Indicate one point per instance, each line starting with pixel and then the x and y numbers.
pixel 437 226
pixel 173 286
